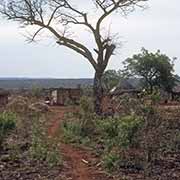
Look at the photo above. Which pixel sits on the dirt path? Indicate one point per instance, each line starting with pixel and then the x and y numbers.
pixel 81 164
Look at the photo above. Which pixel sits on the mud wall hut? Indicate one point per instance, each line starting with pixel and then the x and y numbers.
pixel 60 96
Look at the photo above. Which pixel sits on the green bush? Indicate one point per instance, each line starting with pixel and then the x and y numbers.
pixel 53 157
pixel 120 132
pixel 109 135
pixel 109 127
pixel 7 123
pixel 86 105
pixel 110 161
pixel 72 131
pixel 85 117
pixel 128 127
pixel 81 124
pixel 116 159
pixel 43 150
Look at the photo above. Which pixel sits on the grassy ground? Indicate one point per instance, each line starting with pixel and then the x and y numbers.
pixel 73 143
pixel 142 144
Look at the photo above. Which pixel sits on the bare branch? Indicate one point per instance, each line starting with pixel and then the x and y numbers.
pixel 36 33
pixel 47 14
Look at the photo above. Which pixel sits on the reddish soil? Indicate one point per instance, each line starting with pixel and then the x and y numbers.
pixel 79 164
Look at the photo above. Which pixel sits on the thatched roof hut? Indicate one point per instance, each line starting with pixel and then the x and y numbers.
pixel 132 86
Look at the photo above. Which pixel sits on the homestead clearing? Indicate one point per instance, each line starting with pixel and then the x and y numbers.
pixel 71 143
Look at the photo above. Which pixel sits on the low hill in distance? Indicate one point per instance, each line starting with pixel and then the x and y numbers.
pixel 29 83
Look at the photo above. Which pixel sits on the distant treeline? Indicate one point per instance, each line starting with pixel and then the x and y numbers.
pixel 27 83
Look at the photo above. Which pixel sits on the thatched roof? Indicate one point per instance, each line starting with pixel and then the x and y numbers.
pixel 128 86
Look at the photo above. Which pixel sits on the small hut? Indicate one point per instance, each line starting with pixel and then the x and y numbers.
pixel 60 96
pixel 3 98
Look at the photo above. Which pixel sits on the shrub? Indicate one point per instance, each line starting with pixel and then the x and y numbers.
pixel 39 147
pixel 110 136
pixel 86 116
pixel 81 124
pixel 86 105
pixel 72 131
pixel 42 147
pixel 110 161
pixel 120 131
pixel 44 150
pixel 53 157
pixel 128 127
pixel 109 127
pixel 119 136
pixel 7 123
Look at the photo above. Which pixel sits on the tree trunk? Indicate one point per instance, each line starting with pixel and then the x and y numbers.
pixel 150 87
pixel 98 93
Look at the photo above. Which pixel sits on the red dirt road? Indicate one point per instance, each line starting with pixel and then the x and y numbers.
pixel 81 165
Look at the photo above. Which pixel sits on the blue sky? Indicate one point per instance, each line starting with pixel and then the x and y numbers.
pixel 158 27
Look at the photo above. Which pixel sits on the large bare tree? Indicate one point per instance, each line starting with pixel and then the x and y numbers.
pixel 56 16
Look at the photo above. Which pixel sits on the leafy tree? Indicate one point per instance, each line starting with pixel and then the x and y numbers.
pixel 110 79
pixel 59 17
pixel 155 68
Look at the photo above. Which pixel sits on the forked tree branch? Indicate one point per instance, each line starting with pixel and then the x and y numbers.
pixel 46 14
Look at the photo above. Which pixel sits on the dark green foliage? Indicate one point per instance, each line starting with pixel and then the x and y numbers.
pixel 110 79
pixel 120 132
pixel 82 125
pixel 7 123
pixel 155 68
pixel 86 115
pixel 110 161
pixel 134 140
pixel 128 127
pixel 72 132
pixel 109 127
